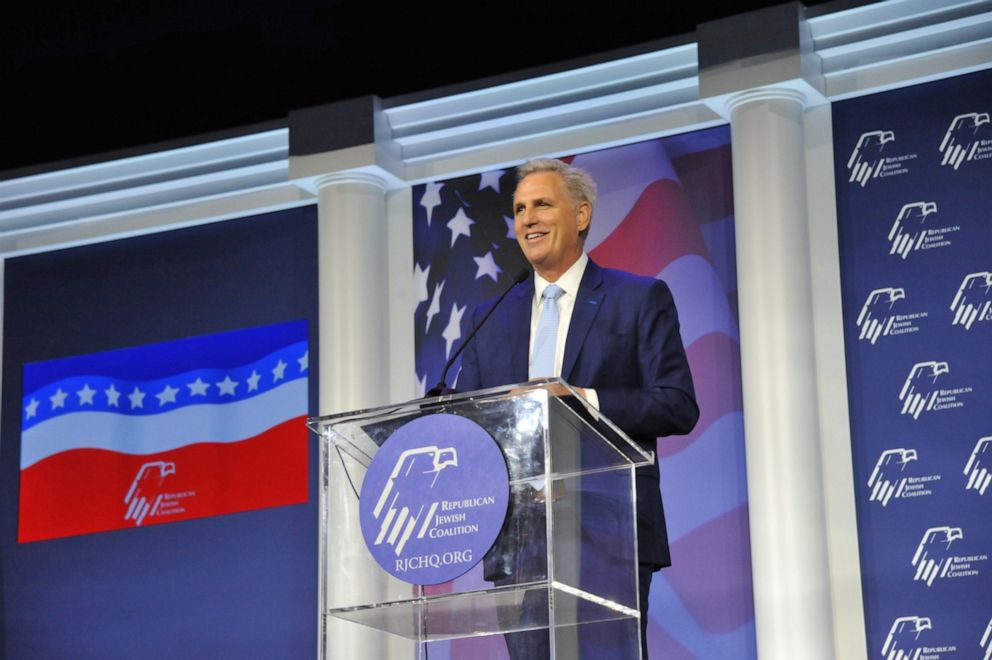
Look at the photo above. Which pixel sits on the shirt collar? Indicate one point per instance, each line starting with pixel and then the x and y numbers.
pixel 569 281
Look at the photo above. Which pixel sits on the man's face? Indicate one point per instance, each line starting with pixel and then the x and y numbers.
pixel 547 224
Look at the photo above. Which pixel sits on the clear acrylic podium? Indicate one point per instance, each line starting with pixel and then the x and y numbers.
pixel 566 557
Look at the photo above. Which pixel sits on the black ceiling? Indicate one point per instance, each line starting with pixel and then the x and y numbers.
pixel 84 80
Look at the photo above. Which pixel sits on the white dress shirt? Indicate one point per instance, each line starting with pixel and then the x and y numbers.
pixel 569 283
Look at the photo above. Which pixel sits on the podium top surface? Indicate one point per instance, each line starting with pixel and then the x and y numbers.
pixel 364 430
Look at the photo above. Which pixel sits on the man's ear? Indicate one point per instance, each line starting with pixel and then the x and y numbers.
pixel 583 214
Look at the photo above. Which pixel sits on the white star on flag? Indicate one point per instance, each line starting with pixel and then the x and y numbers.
pixel 32 408
pixel 252 381
pixel 459 226
pixel 420 276
pixel 58 399
pixel 168 395
pixel 431 199
pixel 227 386
pixel 469 223
pixel 420 388
pixel 137 398
pixel 490 180
pixel 486 265
pixel 453 331
pixel 304 361
pixel 86 395
pixel 113 396
pixel 198 387
pixel 279 372
pixel 435 306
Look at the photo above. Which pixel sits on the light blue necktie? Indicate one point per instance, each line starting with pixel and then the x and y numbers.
pixel 542 362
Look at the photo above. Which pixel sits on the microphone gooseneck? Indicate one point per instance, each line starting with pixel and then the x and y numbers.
pixel 442 387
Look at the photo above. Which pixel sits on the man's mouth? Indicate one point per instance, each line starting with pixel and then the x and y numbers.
pixel 531 236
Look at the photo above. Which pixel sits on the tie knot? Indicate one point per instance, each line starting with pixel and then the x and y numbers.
pixel 552 292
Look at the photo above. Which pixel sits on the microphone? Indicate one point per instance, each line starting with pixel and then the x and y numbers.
pixel 442 387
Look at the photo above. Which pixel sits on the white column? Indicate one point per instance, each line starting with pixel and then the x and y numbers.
pixel 353 339
pixel 353 292
pixel 788 536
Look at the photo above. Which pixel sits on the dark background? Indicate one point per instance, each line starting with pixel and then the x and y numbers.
pixel 87 81
pixel 239 586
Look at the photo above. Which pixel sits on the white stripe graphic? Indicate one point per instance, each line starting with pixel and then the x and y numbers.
pixel 692 277
pixel 151 434
pixel 719 453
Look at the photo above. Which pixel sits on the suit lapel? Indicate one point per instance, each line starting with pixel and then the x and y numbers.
pixel 518 309
pixel 587 304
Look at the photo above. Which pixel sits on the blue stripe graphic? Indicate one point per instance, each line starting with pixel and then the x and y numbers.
pixel 152 362
pixel 195 377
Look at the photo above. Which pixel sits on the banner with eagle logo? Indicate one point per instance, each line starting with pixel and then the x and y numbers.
pixel 164 432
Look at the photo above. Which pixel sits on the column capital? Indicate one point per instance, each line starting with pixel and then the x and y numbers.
pixel 793 93
pixel 349 138
pixel 752 56
pixel 796 90
pixel 370 174
pixel 323 181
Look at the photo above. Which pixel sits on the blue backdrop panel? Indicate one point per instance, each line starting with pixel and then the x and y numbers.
pixel 232 586
pixel 913 170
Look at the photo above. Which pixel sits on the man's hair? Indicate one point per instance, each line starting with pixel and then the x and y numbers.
pixel 578 183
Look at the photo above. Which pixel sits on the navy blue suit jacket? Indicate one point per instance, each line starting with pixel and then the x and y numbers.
pixel 624 342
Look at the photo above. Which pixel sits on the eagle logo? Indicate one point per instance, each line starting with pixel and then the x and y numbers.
pixel 919 392
pixel 405 506
pixel 866 160
pixel 961 139
pixel 145 494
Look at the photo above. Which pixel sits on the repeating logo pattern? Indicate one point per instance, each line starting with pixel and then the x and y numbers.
pixel 909 231
pixel 973 300
pixel 902 642
pixel 926 463
pixel 919 392
pixel 933 557
pixel 876 317
pixel 887 479
pixel 962 140
pixel 979 466
pixel 866 160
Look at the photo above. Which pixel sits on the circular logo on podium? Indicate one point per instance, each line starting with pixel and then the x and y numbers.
pixel 434 499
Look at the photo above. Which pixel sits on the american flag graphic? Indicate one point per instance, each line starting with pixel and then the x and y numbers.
pixel 164 432
pixel 665 209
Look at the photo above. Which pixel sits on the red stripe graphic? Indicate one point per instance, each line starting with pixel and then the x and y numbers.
pixel 715 362
pixel 92 490
pixel 715 558
pixel 659 229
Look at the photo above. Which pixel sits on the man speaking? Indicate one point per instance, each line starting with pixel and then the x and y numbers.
pixel 612 335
